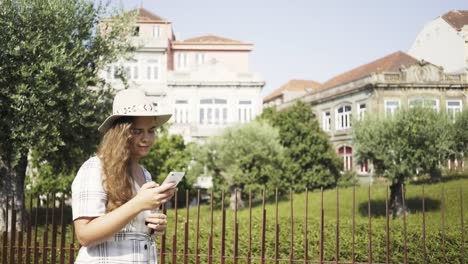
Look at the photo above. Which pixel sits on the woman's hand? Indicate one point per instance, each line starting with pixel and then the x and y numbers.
pixel 151 195
pixel 157 222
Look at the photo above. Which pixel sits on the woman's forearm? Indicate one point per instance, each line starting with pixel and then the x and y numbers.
pixel 93 231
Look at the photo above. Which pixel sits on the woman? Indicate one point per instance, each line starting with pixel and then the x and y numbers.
pixel 113 196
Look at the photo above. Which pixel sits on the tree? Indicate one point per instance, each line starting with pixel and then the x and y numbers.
pixel 246 158
pixel 413 141
pixel 52 52
pixel 461 133
pixel 311 161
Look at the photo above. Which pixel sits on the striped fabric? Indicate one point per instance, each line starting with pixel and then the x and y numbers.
pixel 132 244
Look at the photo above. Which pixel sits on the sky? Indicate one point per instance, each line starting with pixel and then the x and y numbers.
pixel 304 39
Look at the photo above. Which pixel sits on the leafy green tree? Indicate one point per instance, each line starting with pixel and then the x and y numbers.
pixel 52 52
pixel 247 158
pixel 413 141
pixel 461 133
pixel 311 161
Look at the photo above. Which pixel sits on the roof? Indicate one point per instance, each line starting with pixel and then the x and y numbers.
pixel 293 86
pixel 457 18
pixel 389 63
pixel 212 39
pixel 146 16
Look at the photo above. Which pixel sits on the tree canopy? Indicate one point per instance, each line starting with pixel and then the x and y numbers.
pixel 311 161
pixel 413 141
pixel 248 158
pixel 52 98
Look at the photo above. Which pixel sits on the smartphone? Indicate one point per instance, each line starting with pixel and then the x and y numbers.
pixel 174 176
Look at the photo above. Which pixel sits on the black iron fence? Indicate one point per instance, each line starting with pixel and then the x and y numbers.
pixel 47 234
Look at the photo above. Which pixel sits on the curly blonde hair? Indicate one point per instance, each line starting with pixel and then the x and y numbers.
pixel 114 153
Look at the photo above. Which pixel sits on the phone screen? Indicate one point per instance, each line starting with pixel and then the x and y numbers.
pixel 174 176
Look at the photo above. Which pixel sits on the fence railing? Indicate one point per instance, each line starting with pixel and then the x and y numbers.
pixel 47 235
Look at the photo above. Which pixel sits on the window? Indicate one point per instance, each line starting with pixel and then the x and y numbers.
pixel 200 58
pixel 364 167
pixel 156 31
pixel 361 111
pixel 152 69
pixel 108 72
pixel 116 72
pixel 130 69
pixel 213 111
pixel 425 102
pixel 343 117
pixel 391 106
pixel 326 121
pixel 136 31
pixel 346 153
pixel 245 111
pixel 455 164
pixel 181 112
pixel 128 72
pixel 454 107
pixel 181 62
pixel 135 72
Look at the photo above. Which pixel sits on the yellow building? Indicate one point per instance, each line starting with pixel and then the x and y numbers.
pixel 381 86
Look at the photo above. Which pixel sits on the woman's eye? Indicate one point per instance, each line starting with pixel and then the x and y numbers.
pixel 135 131
pixel 151 131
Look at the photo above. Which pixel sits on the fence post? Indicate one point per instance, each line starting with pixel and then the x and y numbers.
pixel 387 227
pixel 462 227
pixel 321 225
pixel 337 242
pixel 186 227
pixel 369 223
pixel 5 234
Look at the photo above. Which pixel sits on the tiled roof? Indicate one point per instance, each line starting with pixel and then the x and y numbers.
pixel 391 62
pixel 457 19
pixel 294 86
pixel 212 39
pixel 145 15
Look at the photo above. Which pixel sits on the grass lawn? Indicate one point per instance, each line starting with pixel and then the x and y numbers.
pixel 443 228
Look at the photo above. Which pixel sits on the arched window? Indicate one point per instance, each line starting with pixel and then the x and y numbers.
pixel 343 117
pixel 346 152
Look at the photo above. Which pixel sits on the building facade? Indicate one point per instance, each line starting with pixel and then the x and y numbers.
pixel 289 91
pixel 382 86
pixel 205 81
pixel 444 42
pixel 211 86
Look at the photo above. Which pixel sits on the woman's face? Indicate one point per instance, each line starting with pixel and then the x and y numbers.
pixel 143 132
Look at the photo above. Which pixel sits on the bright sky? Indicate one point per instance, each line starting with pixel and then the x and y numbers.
pixel 304 39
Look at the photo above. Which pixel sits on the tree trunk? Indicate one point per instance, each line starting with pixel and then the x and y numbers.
pixel 396 199
pixel 12 188
pixel 236 201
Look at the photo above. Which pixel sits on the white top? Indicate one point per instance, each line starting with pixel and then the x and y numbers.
pixel 132 244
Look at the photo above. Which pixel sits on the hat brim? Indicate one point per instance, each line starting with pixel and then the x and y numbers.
pixel 160 119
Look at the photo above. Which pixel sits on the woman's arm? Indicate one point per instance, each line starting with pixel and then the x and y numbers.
pixel 93 230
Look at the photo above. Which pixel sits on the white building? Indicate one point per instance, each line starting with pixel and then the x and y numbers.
pixel 205 81
pixel 444 42
pixel 211 86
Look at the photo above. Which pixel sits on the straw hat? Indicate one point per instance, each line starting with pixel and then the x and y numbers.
pixel 133 102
